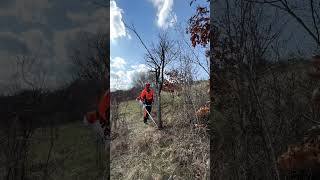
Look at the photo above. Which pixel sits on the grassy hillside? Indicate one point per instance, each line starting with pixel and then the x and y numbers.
pixel 140 151
pixel 73 154
pixel 69 150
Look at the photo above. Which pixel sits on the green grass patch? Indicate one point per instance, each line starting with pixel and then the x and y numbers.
pixel 74 153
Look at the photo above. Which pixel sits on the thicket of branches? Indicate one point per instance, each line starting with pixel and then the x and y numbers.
pixel 260 103
pixel 170 59
pixel 34 106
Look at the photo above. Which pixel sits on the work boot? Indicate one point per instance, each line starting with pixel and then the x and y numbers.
pixel 146 123
pixel 145 120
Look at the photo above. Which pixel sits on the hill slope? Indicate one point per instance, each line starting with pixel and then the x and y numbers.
pixel 140 151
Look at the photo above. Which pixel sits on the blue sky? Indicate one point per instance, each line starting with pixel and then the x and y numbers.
pixel 150 17
pixel 52 30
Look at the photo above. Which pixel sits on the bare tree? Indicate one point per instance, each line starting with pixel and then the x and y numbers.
pixel 241 39
pixel 157 58
pixel 91 61
pixel 31 73
pixel 141 78
pixel 306 13
pixel 251 94
pixel 162 54
pixel 21 123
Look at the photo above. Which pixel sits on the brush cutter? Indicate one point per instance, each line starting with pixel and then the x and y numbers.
pixel 144 108
pixel 94 123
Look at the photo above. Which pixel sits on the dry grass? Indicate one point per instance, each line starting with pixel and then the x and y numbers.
pixel 179 150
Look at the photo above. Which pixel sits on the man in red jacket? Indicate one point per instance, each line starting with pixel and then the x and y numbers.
pixel 100 119
pixel 147 98
pixel 104 112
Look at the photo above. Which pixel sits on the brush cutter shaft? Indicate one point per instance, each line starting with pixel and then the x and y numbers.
pixel 144 107
pixel 150 116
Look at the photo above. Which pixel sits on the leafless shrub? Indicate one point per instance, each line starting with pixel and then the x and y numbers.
pixel 119 129
pixel 21 124
pixel 261 101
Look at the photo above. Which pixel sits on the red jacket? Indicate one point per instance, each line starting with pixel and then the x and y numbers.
pixel 104 107
pixel 92 117
pixel 102 115
pixel 146 96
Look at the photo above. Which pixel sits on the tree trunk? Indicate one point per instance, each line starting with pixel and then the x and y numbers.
pixel 159 107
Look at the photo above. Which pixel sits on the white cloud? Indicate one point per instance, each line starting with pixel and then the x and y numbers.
pixel 129 36
pixel 117 27
pixel 9 34
pixel 78 17
pixel 37 42
pixel 140 68
pixel 59 41
pixel 123 79
pixel 65 42
pixel 166 18
pixel 100 15
pixel 31 11
pixel 93 22
pixel 13 44
pixel 117 62
pixel 119 80
pixel 88 24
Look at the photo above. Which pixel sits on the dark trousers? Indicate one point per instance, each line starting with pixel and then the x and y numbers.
pixel 146 115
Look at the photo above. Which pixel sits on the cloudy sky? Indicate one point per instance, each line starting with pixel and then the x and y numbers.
pixel 48 30
pixel 149 17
